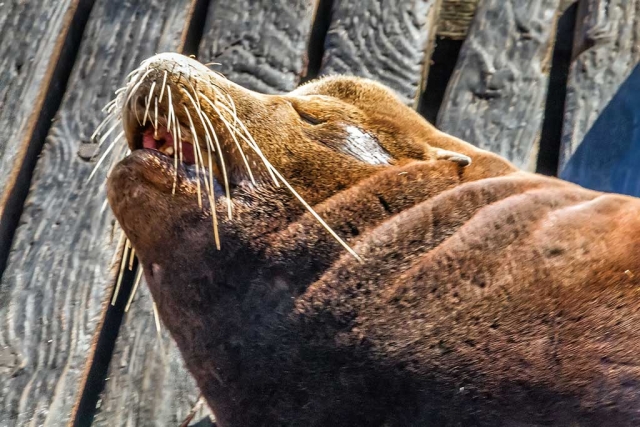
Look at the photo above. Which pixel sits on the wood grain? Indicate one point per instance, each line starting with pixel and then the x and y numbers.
pixel 495 98
pixel 455 18
pixel 32 35
pixel 260 45
pixel 389 41
pixel 57 280
pixel 39 41
pixel 606 50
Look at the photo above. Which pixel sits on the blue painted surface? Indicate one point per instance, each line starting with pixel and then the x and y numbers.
pixel 609 157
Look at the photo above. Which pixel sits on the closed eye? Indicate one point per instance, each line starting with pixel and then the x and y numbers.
pixel 308 118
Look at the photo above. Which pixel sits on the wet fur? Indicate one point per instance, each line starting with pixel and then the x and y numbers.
pixel 487 296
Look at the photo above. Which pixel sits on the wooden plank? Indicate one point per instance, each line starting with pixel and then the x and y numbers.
pixel 57 282
pixel 455 18
pixel 39 39
pixel 259 45
pixel 389 41
pixel 606 50
pixel 495 98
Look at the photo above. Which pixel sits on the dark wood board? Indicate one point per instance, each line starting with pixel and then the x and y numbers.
pixel 32 33
pixel 260 45
pixel 389 41
pixel 57 281
pixel 39 39
pixel 495 98
pixel 606 50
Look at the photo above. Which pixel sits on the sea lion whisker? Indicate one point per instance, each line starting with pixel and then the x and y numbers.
pixel 132 257
pixel 136 86
pixel 233 107
pixel 149 97
pixel 156 319
pixel 112 107
pixel 211 196
pixel 102 158
pixel 103 207
pixel 196 147
pixel 178 156
pixel 123 263
pixel 135 111
pixel 155 129
pixel 210 164
pixel 210 192
pixel 175 140
pixel 106 108
pixel 227 125
pixel 102 125
pixel 208 140
pixel 123 151
pixel 194 92
pixel 315 214
pixel 170 111
pixel 248 139
pixel 105 136
pixel 222 166
pixel 116 252
pixel 164 85
pixel 134 290
pixel 205 121
pixel 210 147
pixel 131 74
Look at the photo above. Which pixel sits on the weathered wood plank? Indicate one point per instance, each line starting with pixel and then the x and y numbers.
pixel 38 43
pixel 455 18
pixel 495 98
pixel 389 41
pixel 260 45
pixel 607 48
pixel 57 280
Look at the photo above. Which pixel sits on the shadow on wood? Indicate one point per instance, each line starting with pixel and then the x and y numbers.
pixel 608 159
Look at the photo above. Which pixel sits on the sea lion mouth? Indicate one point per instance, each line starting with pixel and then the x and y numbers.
pixel 187 137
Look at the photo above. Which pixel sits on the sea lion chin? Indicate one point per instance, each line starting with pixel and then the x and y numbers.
pixel 455 289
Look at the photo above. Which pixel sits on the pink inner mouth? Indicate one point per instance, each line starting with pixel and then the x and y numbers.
pixel 162 141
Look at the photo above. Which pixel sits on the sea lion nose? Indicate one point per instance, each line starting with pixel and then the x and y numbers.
pixel 173 63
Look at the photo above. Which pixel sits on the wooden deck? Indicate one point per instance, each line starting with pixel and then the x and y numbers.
pixel 533 81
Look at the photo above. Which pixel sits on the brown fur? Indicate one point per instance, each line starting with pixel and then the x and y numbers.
pixel 486 296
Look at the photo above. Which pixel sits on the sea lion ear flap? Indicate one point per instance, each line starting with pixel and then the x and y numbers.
pixel 452 156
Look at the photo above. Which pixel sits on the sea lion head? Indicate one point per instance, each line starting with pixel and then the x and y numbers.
pixel 199 139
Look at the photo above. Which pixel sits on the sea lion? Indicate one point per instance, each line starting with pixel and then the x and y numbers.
pixel 457 290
